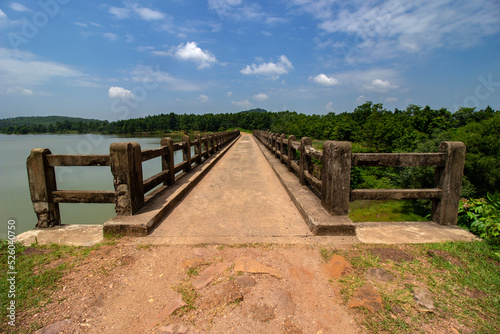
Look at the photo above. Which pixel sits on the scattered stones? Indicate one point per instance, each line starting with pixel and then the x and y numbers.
pixel 176 304
pixel 208 275
pixel 393 254
pixel 444 255
pixel 55 327
pixel 423 297
pixel 262 313
pixel 192 263
pixel 285 302
pixel 247 265
pixel 337 266
pixel 379 275
pixel 178 329
pixel 367 297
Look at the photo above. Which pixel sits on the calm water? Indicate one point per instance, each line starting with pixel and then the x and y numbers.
pixel 15 202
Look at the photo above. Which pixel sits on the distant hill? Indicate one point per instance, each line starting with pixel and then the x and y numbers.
pixel 41 120
pixel 253 111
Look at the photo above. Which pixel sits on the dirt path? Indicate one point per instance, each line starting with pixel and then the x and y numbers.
pixel 240 197
pixel 126 288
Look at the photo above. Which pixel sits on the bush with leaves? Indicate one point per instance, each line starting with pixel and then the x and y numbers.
pixel 481 216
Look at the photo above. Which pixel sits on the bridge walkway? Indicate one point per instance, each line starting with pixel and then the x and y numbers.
pixel 241 199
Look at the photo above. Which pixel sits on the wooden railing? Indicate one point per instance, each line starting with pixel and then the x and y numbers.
pixel 333 187
pixel 125 160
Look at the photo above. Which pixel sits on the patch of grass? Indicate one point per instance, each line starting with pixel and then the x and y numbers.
pixel 466 295
pixel 35 279
pixel 144 246
pixel 189 296
pixel 379 211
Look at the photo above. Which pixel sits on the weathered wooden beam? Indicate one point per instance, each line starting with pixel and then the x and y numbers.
pixel 167 160
pixel 153 153
pixel 314 182
pixel 155 180
pixel 336 177
pixel 78 159
pixel 382 194
pixel 84 196
pixel 180 166
pixel 398 159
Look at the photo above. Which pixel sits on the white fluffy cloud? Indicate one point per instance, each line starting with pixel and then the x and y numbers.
pixel 242 104
pixel 120 93
pixel 144 13
pixel 329 107
pixel 203 98
pixel 190 51
pixel 325 80
pixel 273 70
pixel 381 86
pixel 260 97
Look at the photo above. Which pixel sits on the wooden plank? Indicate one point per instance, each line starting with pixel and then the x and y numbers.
pixel 315 154
pixel 180 166
pixel 155 180
pixel 177 146
pixel 78 159
pixel 314 182
pixel 153 153
pixel 83 196
pixel 378 194
pixel 398 159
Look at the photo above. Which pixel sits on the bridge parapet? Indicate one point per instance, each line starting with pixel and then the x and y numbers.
pixel 332 184
pixel 125 161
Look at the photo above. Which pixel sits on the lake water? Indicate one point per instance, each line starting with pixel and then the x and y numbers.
pixel 15 201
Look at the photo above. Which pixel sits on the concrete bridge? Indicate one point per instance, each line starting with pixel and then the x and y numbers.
pixel 256 191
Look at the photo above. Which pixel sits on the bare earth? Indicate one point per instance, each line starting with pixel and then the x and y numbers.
pixel 126 288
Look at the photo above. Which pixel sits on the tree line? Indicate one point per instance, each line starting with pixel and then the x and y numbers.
pixel 372 127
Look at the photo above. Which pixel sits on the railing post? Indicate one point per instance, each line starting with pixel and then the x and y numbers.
pixel 212 141
pixel 304 159
pixel 186 152
pixel 42 181
pixel 167 161
pixel 336 177
pixel 198 148
pixel 282 137
pixel 449 180
pixel 207 145
pixel 126 166
pixel 291 152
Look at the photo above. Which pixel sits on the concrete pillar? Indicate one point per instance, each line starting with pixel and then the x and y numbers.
pixel 167 161
pixel 304 159
pixel 126 166
pixel 207 144
pixel 198 148
pixel 186 152
pixel 291 152
pixel 42 181
pixel 336 177
pixel 282 151
pixel 449 180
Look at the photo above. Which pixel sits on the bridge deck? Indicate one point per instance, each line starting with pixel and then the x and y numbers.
pixel 240 197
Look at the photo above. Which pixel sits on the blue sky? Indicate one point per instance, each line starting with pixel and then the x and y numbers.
pixel 122 59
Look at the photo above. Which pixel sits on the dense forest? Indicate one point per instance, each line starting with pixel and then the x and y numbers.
pixel 371 126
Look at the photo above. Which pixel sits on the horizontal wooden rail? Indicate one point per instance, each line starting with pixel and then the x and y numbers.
pixel 378 194
pixel 153 153
pixel 83 196
pixel 78 160
pixel 398 159
pixel 155 180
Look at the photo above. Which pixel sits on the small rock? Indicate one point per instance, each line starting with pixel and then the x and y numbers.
pixel 393 254
pixel 193 263
pixel 337 266
pixel 220 295
pixel 208 275
pixel 55 327
pixel 397 309
pixel 176 304
pixel 379 275
pixel 423 297
pixel 246 264
pixel 366 296
pixel 290 327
